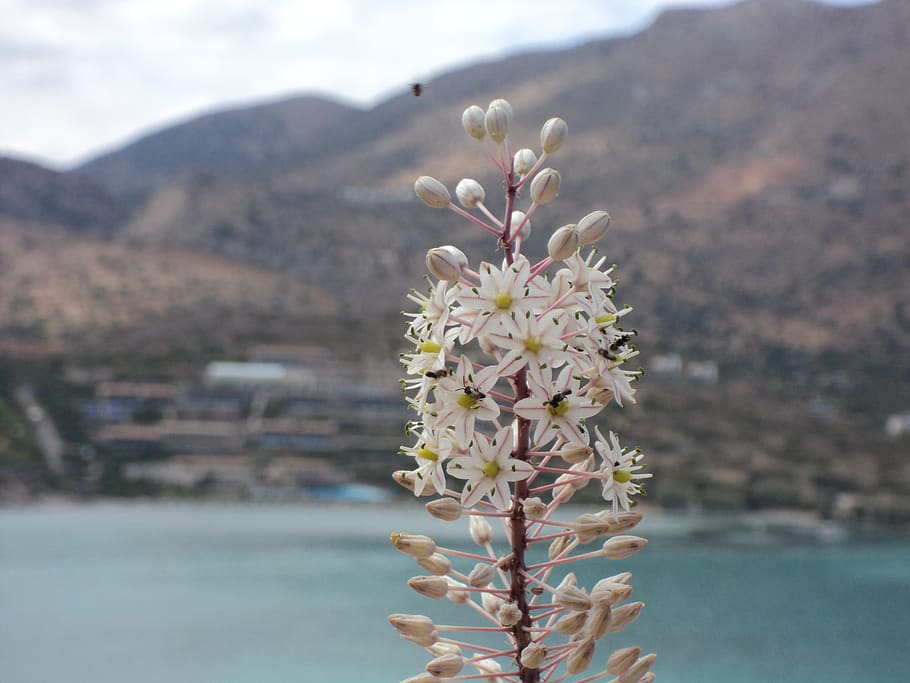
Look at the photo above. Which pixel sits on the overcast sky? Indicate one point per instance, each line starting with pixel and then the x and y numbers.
pixel 77 76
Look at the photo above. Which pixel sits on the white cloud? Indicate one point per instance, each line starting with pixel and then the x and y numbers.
pixel 83 74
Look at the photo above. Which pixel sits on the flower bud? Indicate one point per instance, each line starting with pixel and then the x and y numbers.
pixel 621 547
pixel 518 219
pixel 481 575
pixel 491 603
pixel 572 597
pixel 480 529
pixel 497 120
pixel 423 678
pixel 509 614
pixel 445 509
pixel 609 593
pixel 568 580
pixel 593 226
pixel 638 670
pixel 415 545
pixel 500 102
pixel 588 527
pixel 623 577
pixel 436 564
pixel 472 120
pixel 469 192
pixel 558 545
pixel 563 243
pixel 412 625
pixel 571 623
pixel 580 659
pixel 619 521
pixel 434 587
pixel 457 593
pixel 447 262
pixel 621 660
pixel 574 453
pixel 446 666
pixel 489 666
pixel 533 655
pixel 534 508
pixel 524 161
pixel 432 192
pixel 553 134
pixel 624 615
pixel 598 621
pixel 439 649
pixel 545 186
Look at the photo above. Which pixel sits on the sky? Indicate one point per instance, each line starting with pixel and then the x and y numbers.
pixel 81 76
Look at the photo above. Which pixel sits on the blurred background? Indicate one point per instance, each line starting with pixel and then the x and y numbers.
pixel 207 232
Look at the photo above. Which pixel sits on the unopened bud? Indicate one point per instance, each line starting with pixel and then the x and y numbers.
pixel 491 603
pixel 489 666
pixel 480 529
pixel 446 666
pixel 423 678
pixel 624 615
pixel 572 597
pixel 439 649
pixel 580 659
pixel 496 121
pixel 563 243
pixel 406 479
pixel 620 661
pixel 553 134
pixel 434 587
pixel 518 219
pixel 588 527
pixel 412 625
pixel 533 655
pixel 436 564
pixel 571 623
pixel 593 226
pixel 432 192
pixel 469 192
pixel 545 186
pixel 598 621
pixel 472 120
pixel 558 546
pixel 568 580
pixel 457 593
pixel 445 509
pixel 509 614
pixel 619 521
pixel 481 575
pixel 622 577
pixel 608 594
pixel 534 508
pixel 638 670
pixel 621 547
pixel 415 545
pixel 447 262
pixel 524 161
pixel 500 102
pixel 575 453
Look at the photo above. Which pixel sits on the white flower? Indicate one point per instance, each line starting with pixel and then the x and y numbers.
pixel 557 408
pixel 431 450
pixel 532 341
pixel 488 469
pixel 501 294
pixel 619 471
pixel 463 397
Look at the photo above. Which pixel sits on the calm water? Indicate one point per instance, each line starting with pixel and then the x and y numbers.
pixel 203 593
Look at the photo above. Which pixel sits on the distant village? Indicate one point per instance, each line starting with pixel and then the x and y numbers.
pixel 259 428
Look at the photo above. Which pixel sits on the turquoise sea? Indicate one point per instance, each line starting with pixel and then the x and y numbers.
pixel 202 593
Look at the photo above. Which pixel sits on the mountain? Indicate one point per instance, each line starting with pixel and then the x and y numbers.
pixel 236 142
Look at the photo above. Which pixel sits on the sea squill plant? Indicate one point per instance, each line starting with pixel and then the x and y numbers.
pixel 509 365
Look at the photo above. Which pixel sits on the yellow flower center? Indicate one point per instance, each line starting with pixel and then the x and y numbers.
pixel 503 301
pixel 559 409
pixel 622 476
pixel 427 454
pixel 533 344
pixel 430 347
pixel 491 469
pixel 467 401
